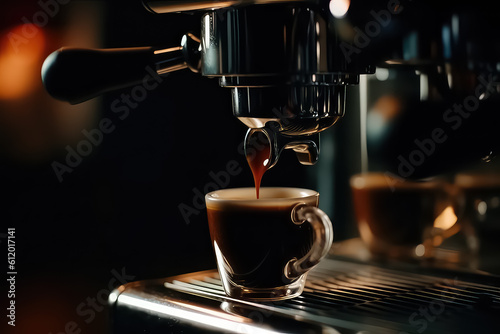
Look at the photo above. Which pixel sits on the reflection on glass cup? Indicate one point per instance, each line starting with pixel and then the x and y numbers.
pixel 265 247
pixel 480 197
pixel 402 219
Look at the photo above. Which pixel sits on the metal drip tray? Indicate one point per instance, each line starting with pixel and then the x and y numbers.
pixel 340 297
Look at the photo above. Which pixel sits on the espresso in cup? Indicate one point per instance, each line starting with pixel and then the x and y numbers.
pixel 259 243
pixel 395 217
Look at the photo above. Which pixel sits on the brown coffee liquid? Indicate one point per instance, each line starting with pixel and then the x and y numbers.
pixel 257 242
pixel 258 155
pixel 398 216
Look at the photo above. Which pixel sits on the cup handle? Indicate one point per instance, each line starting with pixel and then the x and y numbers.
pixel 323 238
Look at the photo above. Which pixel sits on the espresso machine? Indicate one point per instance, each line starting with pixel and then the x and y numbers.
pixel 288 65
pixel 283 64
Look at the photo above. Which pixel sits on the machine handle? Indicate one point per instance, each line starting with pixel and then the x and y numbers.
pixel 76 75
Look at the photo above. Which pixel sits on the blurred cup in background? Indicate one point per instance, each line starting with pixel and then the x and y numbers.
pixel 403 219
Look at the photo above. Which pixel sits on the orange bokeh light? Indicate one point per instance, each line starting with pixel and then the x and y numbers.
pixel 21 52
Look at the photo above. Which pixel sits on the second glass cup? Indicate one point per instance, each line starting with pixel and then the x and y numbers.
pixel 402 219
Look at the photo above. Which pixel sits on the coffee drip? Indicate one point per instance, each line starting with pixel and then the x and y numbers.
pixel 258 154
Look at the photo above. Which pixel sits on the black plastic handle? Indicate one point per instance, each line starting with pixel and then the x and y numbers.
pixel 76 75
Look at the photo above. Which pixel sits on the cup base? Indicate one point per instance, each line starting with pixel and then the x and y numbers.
pixel 266 294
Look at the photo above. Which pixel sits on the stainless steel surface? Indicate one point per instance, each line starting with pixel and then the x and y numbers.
pixel 171 6
pixel 283 65
pixel 340 297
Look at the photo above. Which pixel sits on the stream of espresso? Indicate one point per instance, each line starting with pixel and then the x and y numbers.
pixel 258 160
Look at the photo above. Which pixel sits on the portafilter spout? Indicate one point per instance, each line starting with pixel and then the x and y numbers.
pixel 306 148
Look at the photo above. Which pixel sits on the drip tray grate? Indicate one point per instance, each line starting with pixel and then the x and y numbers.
pixel 347 297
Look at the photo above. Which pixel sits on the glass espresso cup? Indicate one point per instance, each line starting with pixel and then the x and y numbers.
pixel 401 219
pixel 265 247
